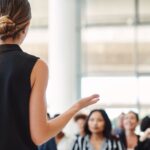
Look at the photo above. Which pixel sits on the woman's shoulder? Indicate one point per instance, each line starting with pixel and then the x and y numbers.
pixel 39 64
pixel 28 56
pixel 24 58
pixel 82 139
pixel 115 142
pixel 79 142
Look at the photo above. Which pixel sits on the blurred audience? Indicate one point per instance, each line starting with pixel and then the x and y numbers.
pixel 95 133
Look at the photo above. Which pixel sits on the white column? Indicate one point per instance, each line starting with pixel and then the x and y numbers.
pixel 64 59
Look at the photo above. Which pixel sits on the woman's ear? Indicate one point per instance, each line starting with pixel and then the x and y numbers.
pixel 25 30
pixel 23 33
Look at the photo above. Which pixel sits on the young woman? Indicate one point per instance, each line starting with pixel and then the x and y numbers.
pixel 128 137
pixel 98 133
pixel 23 81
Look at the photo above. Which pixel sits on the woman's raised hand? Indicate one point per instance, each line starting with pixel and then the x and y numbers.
pixel 87 101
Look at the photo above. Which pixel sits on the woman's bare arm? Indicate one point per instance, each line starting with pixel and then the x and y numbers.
pixel 42 129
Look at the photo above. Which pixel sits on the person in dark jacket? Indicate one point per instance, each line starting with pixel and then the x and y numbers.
pixel 144 143
pixel 49 145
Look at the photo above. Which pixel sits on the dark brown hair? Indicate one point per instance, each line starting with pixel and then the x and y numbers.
pixel 145 123
pixel 14 16
pixel 80 116
pixel 135 114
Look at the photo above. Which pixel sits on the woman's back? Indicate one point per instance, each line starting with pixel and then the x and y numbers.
pixel 15 88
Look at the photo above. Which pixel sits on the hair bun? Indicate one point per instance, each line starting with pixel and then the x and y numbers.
pixel 7 26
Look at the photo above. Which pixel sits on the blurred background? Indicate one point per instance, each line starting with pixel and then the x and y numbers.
pixel 94 46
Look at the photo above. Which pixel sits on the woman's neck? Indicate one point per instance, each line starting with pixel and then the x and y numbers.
pixel 9 41
pixel 97 137
pixel 130 133
pixel 82 133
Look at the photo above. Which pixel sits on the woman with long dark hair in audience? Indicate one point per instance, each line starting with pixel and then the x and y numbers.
pixel 98 133
pixel 128 137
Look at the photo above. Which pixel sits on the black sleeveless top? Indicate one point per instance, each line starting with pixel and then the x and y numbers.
pixel 15 89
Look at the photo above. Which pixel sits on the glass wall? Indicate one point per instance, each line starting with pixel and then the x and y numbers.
pixel 115 52
pixel 115 41
pixel 144 11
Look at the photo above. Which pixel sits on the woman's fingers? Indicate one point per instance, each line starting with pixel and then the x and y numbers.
pixel 93 97
pixel 89 100
pixel 95 100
